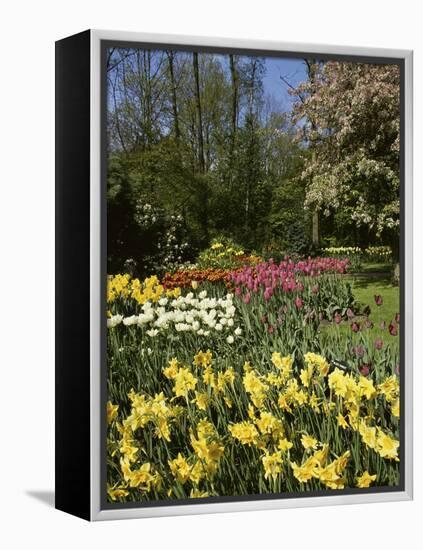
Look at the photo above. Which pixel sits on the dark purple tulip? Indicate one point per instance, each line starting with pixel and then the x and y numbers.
pixel 393 328
pixel 350 313
pixel 365 370
pixel 359 351
pixel 378 299
pixel 382 325
pixel 397 317
pixel 378 343
pixel 355 327
pixel 338 318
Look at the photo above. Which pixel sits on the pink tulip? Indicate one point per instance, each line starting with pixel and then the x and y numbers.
pixel 359 351
pixel 368 323
pixel 247 298
pixel 378 343
pixel 393 328
pixel 355 327
pixel 378 299
pixel 338 318
pixel 298 302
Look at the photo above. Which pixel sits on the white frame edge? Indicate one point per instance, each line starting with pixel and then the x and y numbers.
pixel 95 272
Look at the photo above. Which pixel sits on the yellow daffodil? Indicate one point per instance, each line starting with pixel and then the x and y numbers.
pixel 272 463
pixel 112 411
pixel 365 480
pixel 309 442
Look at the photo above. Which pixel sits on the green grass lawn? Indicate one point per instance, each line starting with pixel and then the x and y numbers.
pixel 364 288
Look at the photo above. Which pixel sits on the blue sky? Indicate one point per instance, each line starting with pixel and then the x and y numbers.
pixel 293 70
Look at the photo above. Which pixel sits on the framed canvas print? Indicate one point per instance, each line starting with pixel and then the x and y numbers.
pixel 233 275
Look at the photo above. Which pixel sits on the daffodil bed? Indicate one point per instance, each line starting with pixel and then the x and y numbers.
pixel 231 388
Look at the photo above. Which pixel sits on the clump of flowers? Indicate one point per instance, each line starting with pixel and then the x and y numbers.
pixel 191 313
pixel 194 277
pixel 215 429
pixel 125 288
pixel 225 254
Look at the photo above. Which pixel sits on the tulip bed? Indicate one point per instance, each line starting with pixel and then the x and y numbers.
pixel 266 378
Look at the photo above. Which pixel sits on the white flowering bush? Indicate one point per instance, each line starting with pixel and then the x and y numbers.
pixel 171 249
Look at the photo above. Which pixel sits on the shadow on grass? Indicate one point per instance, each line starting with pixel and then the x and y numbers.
pixel 370 281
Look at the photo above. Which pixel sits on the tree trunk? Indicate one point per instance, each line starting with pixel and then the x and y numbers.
pixel 170 57
pixel 199 115
pixel 315 229
pixel 201 160
pixel 234 113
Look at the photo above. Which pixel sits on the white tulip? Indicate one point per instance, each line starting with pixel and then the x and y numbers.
pixel 114 321
pixel 230 339
pixel 128 321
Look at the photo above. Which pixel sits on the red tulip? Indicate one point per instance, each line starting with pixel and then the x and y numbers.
pixel 365 370
pixel 397 317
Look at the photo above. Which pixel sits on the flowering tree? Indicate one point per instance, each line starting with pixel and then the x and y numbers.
pixel 348 115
